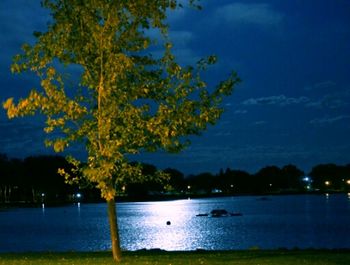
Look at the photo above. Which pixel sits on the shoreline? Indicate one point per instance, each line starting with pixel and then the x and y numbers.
pixel 154 198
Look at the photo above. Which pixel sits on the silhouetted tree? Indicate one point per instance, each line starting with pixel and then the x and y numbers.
pixel 234 181
pixel 176 179
pixel 330 177
pixel 4 178
pixel 201 183
pixel 291 178
pixel 41 175
pixel 268 179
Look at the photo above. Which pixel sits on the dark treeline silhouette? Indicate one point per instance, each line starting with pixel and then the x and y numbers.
pixel 35 180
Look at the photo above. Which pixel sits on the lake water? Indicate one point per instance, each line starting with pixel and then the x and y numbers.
pixel 303 221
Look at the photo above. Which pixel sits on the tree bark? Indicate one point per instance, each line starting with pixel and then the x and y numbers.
pixel 112 217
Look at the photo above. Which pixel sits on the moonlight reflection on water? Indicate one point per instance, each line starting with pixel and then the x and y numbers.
pixel 171 235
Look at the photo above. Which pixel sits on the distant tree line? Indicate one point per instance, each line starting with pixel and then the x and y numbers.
pixel 35 180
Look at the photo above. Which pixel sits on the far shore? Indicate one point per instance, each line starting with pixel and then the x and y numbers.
pixel 161 197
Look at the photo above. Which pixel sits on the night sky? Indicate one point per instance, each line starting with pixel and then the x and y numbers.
pixel 293 106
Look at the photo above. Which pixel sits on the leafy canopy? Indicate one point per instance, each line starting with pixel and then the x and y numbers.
pixel 127 100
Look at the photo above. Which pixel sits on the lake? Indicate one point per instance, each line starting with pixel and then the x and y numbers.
pixel 288 221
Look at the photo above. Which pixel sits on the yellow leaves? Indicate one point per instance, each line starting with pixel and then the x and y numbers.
pixel 49 129
pixel 9 106
pixel 146 43
pixel 174 69
pixel 15 68
pixel 8 103
pixel 46 84
pixel 204 117
pixel 145 90
pixel 168 45
pixel 108 193
pixel 23 104
pixel 24 107
pixel 50 72
pixel 59 145
pixel 70 177
pixel 61 171
pixel 187 75
pixel 52 123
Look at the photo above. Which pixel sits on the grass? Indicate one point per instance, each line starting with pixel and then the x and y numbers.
pixel 261 257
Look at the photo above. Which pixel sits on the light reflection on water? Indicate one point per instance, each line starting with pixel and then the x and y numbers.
pixel 303 221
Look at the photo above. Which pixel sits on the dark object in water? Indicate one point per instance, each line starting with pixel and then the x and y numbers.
pixel 263 199
pixel 236 214
pixel 202 214
pixel 219 213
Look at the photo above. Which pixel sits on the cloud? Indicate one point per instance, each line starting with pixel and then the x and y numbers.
pixel 321 85
pixel 15 24
pixel 329 120
pixel 186 56
pixel 332 101
pixel 240 111
pixel 254 14
pixel 181 38
pixel 280 100
pixel 177 14
pixel 259 123
pixel 21 138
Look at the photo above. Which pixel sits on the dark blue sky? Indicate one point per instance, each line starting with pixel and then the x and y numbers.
pixel 293 105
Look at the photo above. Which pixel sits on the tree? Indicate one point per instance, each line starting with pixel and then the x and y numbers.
pixel 176 180
pixel 41 177
pixel 329 176
pixel 291 177
pixel 234 181
pixel 202 182
pixel 4 178
pixel 126 101
pixel 268 179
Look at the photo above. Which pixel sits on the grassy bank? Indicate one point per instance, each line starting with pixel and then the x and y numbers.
pixel 280 257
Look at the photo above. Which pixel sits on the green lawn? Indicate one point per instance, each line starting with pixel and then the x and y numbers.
pixel 280 257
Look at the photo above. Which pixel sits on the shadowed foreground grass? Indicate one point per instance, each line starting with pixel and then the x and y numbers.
pixel 278 257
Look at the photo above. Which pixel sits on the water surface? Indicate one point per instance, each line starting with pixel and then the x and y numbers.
pixel 303 221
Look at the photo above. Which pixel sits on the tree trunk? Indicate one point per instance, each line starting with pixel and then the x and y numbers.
pixel 6 194
pixel 33 195
pixel 112 217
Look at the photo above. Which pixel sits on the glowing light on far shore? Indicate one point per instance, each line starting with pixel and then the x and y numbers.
pixel 327 183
